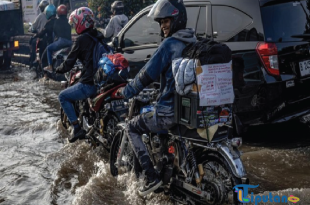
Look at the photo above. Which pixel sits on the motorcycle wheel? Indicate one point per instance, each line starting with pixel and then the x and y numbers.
pixel 127 158
pixel 110 128
pixel 64 119
pixel 219 178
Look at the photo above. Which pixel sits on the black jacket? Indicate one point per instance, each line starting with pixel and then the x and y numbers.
pixel 48 30
pixel 62 28
pixel 82 49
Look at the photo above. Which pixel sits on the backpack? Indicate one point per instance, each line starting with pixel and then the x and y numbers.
pixel 207 52
pixel 100 48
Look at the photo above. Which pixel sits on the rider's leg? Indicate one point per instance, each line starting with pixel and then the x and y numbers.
pixel 55 46
pixel 139 125
pixel 67 97
pixel 44 63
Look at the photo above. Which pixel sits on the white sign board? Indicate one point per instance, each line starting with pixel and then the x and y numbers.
pixel 215 84
pixel 30 9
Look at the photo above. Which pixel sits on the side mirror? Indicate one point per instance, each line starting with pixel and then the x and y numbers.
pixel 30 24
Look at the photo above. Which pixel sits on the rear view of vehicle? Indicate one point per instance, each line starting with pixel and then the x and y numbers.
pixel 285 55
pixel 11 21
pixel 271 59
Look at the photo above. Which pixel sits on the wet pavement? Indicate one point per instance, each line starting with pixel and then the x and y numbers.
pixel 38 166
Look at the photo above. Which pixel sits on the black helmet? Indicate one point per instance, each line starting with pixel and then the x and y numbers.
pixel 174 9
pixel 118 7
pixel 42 5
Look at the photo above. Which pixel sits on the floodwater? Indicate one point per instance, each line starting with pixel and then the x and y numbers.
pixel 38 166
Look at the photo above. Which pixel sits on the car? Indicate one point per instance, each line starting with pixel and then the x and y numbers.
pixel 270 47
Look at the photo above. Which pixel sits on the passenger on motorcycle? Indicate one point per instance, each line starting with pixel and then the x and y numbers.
pixel 118 20
pixel 172 18
pixel 48 30
pixel 37 27
pixel 82 49
pixel 62 33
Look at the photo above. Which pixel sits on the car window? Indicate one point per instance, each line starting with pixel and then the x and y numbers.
pixel 202 23
pixel 282 21
pixel 192 16
pixel 228 21
pixel 144 31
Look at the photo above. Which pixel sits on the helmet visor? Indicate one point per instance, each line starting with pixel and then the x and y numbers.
pixel 163 9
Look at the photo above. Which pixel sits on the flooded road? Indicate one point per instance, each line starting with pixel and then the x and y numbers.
pixel 38 166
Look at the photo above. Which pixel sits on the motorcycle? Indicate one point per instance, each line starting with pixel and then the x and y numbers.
pixel 193 170
pixel 99 115
pixel 58 58
pixel 121 154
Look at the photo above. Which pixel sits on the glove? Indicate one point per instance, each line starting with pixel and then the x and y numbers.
pixel 119 92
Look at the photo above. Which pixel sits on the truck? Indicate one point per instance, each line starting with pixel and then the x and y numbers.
pixel 11 21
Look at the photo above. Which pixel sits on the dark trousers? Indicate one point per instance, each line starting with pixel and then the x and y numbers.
pixel 144 124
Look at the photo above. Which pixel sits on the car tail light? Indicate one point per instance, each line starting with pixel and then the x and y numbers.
pixel 268 53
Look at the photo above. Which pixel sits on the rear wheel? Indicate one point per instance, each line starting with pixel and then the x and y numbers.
pixel 127 157
pixel 219 180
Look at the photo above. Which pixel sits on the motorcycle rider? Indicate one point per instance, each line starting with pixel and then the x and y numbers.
pixel 36 27
pixel 48 30
pixel 62 33
pixel 82 49
pixel 172 18
pixel 117 21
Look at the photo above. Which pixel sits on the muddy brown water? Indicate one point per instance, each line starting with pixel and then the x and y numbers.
pixel 38 166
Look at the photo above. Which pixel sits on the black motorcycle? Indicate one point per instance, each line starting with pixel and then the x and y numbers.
pixel 193 170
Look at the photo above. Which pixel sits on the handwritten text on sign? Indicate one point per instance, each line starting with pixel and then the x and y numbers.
pixel 216 85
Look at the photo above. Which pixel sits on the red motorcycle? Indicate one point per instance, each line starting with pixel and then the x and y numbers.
pixel 99 115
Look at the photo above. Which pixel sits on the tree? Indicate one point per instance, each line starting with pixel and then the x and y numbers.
pixel 132 7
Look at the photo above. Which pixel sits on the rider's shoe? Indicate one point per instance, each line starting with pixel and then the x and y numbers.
pixel 78 134
pixel 48 69
pixel 150 186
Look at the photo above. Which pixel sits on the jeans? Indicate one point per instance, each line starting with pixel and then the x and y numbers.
pixel 76 92
pixel 143 124
pixel 56 46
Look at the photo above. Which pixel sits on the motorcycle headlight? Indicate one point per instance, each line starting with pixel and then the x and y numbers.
pixel 236 142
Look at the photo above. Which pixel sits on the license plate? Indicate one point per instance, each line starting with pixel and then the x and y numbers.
pixel 118 105
pixel 1 52
pixel 304 67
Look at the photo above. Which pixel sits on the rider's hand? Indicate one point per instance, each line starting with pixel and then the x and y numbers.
pixel 119 92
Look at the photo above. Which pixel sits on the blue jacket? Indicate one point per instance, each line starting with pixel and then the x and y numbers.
pixel 160 65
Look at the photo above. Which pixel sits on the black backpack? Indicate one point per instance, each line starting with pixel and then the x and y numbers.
pixel 100 48
pixel 208 52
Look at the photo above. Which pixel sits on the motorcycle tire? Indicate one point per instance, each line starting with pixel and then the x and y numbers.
pixel 128 154
pixel 213 159
pixel 64 119
pixel 110 127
